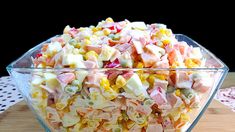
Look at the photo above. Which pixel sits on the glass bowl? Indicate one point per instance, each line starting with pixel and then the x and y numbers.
pixel 24 74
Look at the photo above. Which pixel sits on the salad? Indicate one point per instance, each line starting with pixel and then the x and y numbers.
pixel 112 83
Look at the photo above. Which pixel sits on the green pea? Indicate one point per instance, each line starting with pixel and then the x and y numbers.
pixel 148 102
pixel 170 89
pixel 188 93
pixel 75 83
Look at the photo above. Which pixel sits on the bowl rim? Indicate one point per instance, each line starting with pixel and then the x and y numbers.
pixel 223 65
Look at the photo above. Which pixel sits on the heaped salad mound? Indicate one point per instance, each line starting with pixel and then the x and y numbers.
pixel 118 76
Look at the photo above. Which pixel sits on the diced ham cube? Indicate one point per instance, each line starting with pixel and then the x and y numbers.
pixel 174 100
pixel 94 79
pixel 149 59
pixel 96 48
pixel 159 96
pixel 123 47
pixel 160 83
pixel 66 77
pixel 154 128
pixel 175 56
pixel 182 80
pixel 138 46
pixel 128 74
pixel 203 84
pixel 90 64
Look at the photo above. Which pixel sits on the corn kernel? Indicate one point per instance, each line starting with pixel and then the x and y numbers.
pixel 59 106
pixel 120 81
pixel 168 32
pixel 190 63
pixel 140 65
pixel 109 20
pixel 78 45
pixel 106 31
pixel 144 124
pixel 143 76
pixel 166 41
pixel 151 79
pixel 184 117
pixel 82 51
pixel 35 94
pixel 91 54
pixel 104 83
pixel 95 29
pixel 162 30
pixel 175 65
pixel 87 41
pixel 44 94
pixel 177 92
pixel 161 77
pixel 115 88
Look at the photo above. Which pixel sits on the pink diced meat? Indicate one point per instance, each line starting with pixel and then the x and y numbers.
pixel 158 95
pixel 66 77
pixel 202 85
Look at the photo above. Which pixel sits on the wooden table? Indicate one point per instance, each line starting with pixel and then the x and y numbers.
pixel 217 117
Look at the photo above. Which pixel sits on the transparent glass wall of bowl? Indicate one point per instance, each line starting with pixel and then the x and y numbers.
pixel 22 71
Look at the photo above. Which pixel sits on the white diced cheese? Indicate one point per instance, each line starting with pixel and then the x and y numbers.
pixel 196 53
pixel 125 60
pixel 37 80
pixel 54 48
pixel 81 75
pixel 134 85
pixel 75 60
pixel 69 120
pixel 158 51
pixel 138 46
pixel 51 80
pixel 106 53
pixel 139 25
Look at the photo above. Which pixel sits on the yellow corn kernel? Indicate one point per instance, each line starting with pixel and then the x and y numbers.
pixel 143 76
pixel 189 63
pixel 151 79
pixel 109 20
pixel 130 124
pixel 177 92
pixel 190 110
pixel 115 88
pixel 166 42
pixel 104 83
pixel 168 32
pixel 125 130
pixel 95 29
pixel 44 94
pixel 184 117
pixel 106 31
pixel 35 94
pixel 162 30
pixel 120 81
pixel 140 65
pixel 87 41
pixel 59 106
pixel 91 54
pixel 87 37
pixel 161 77
pixel 78 45
pixel 175 64
pixel 82 51
pixel 144 124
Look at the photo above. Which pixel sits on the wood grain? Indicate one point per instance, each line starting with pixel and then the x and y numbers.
pixel 217 118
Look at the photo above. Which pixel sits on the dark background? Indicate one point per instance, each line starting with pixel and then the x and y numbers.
pixel 210 25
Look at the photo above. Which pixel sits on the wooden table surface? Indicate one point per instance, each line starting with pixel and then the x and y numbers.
pixel 217 118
